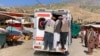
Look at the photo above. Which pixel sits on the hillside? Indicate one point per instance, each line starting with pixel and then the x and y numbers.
pixel 86 2
pixel 77 11
pixel 94 9
pixel 2 9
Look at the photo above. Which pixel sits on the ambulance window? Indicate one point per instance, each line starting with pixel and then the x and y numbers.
pixel 41 23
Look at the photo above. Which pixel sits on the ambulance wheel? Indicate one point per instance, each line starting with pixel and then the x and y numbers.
pixel 66 53
pixel 74 37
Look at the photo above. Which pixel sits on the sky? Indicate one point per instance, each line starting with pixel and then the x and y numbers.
pixel 10 3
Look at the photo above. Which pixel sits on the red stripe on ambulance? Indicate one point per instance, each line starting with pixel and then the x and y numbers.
pixel 39 38
pixel 43 15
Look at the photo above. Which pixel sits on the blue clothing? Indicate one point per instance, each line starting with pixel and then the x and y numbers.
pixel 13 31
pixel 9 28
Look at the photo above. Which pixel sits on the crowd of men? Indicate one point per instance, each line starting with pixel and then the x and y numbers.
pixel 90 38
pixel 56 31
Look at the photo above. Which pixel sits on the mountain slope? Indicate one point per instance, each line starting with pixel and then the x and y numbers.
pixel 77 12
pixel 86 2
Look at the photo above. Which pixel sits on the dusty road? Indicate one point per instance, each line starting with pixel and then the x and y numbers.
pixel 25 49
pixel 78 49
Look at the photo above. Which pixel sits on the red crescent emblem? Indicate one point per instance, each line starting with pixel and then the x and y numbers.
pixel 41 24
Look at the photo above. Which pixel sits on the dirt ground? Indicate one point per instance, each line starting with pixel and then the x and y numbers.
pixel 25 49
pixel 78 49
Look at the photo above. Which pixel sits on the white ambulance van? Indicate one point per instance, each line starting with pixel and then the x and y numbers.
pixel 40 15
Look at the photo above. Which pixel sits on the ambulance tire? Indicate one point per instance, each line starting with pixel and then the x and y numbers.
pixel 65 53
pixel 74 37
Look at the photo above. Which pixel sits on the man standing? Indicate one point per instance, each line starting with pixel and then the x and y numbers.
pixel 57 32
pixel 97 39
pixel 91 41
pixel 82 35
pixel 86 37
pixel 64 32
pixel 48 36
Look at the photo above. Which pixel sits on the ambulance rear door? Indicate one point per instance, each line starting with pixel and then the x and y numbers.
pixel 40 17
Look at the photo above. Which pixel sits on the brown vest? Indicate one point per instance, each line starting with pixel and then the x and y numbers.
pixel 50 28
pixel 65 26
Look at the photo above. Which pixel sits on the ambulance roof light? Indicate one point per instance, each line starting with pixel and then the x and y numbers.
pixel 40 10
pixel 62 10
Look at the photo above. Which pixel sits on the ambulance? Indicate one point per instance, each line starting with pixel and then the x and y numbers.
pixel 40 15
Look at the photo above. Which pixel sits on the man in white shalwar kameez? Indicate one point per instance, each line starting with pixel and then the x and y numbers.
pixel 57 32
